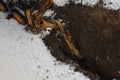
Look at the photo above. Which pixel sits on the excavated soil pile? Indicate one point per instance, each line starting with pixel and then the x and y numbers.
pixel 97 33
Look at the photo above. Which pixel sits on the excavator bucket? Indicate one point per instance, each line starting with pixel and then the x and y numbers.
pixel 68 40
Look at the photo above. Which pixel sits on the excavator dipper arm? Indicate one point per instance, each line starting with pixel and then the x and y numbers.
pixel 66 34
pixel 34 16
pixel 38 21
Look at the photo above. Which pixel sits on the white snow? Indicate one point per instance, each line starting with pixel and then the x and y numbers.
pixel 112 4
pixel 87 2
pixel 24 56
pixel 61 2
pixel 84 2
pixel 48 13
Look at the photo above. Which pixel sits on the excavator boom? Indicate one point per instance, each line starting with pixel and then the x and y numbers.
pixel 34 18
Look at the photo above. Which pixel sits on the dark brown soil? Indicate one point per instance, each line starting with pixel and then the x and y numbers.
pixel 97 32
pixel 60 50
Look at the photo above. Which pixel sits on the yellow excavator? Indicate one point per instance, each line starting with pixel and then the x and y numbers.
pixel 31 12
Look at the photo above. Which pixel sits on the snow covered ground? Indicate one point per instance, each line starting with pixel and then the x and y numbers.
pixel 110 4
pixel 61 2
pixel 24 56
pixel 84 2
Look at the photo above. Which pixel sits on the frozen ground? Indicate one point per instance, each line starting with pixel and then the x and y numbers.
pixel 24 56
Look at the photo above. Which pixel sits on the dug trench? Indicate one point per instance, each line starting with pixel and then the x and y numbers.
pixel 96 31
